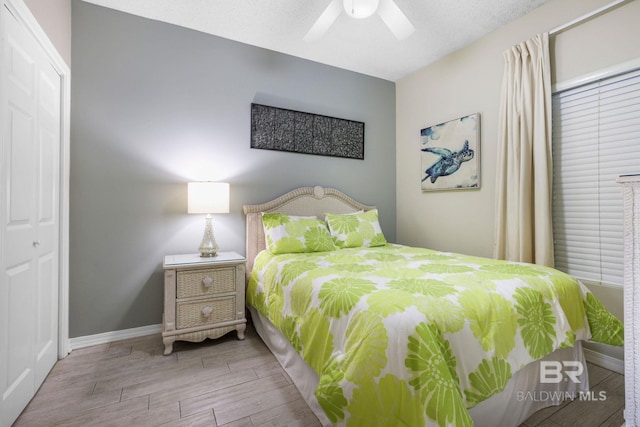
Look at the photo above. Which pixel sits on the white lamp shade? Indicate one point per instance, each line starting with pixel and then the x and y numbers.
pixel 208 197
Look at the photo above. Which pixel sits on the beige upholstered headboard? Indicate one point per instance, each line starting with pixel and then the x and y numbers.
pixel 304 201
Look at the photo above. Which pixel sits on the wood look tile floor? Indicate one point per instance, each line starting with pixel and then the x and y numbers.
pixel 225 382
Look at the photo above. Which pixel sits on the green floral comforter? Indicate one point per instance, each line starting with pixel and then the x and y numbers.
pixel 409 336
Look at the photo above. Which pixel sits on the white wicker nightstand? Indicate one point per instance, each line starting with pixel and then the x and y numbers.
pixel 203 297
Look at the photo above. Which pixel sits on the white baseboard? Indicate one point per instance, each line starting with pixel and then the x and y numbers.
pixel 608 362
pixel 107 337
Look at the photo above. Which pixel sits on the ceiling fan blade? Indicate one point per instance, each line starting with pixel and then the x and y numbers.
pixel 397 21
pixel 325 21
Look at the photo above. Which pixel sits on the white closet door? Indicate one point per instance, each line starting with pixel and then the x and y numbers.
pixel 46 245
pixel 30 179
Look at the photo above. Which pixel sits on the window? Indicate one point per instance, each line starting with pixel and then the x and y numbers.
pixel 596 138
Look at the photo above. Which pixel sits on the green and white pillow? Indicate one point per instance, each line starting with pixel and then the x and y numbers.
pixel 293 234
pixel 361 229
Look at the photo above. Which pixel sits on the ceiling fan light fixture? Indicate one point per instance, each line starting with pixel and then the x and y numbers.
pixel 360 9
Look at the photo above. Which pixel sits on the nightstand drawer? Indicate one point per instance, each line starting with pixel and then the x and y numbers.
pixel 196 313
pixel 206 282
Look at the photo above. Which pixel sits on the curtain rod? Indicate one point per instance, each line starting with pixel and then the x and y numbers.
pixel 587 16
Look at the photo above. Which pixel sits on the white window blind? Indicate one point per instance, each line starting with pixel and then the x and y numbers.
pixel 596 138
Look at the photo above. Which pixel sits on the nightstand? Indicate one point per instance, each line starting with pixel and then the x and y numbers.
pixel 203 297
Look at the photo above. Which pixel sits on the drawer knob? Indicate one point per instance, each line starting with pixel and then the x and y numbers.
pixel 207 281
pixel 206 311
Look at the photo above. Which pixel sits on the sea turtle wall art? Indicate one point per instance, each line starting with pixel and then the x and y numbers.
pixel 450 154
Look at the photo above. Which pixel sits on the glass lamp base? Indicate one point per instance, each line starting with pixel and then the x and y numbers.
pixel 208 247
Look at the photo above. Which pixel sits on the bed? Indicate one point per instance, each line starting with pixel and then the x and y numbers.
pixel 374 333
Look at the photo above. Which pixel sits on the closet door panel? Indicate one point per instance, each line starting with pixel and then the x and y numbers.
pixel 46 344
pixel 19 374
pixel 20 154
pixel 20 146
pixel 29 216
pixel 48 163
pixel 48 208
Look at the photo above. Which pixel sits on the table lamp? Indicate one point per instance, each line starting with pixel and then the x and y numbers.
pixel 208 198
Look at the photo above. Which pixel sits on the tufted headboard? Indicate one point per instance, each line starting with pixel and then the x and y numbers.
pixel 304 201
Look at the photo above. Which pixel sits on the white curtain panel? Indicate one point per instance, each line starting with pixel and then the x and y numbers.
pixel 523 225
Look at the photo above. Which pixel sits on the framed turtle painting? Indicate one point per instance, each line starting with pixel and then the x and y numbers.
pixel 449 154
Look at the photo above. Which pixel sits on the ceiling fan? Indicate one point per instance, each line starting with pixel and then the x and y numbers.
pixel 390 13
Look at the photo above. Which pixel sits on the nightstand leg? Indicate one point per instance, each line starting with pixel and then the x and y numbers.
pixel 168 345
pixel 240 329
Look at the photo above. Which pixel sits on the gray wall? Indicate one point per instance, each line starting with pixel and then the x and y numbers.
pixel 155 106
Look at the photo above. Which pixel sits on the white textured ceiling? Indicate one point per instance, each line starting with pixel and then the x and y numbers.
pixel 362 45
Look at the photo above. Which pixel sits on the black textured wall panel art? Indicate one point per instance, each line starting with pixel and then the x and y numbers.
pixel 280 129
